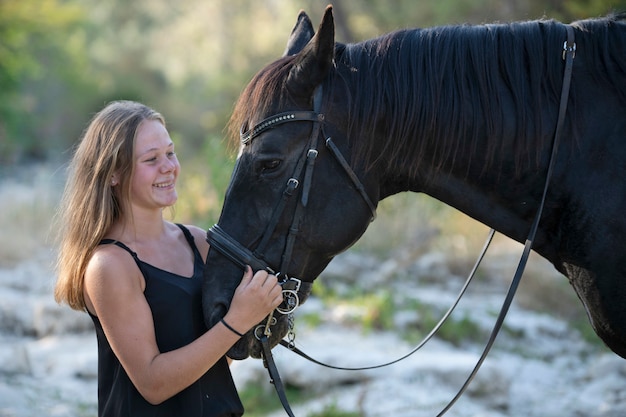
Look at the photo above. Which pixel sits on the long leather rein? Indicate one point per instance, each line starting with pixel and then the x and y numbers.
pixel 242 256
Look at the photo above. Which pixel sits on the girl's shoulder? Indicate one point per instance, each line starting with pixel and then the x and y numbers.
pixel 195 231
pixel 109 259
pixel 111 271
pixel 199 237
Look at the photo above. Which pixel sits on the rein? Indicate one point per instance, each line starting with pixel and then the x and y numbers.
pixel 434 330
pixel 568 54
pixel 242 256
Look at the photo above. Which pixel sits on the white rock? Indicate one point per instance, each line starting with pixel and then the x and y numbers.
pixel 14 359
pixel 49 318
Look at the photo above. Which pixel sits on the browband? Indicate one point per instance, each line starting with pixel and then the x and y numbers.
pixel 277 119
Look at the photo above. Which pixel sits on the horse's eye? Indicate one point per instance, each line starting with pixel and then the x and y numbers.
pixel 270 165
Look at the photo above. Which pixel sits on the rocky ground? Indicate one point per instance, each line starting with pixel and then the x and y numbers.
pixel 539 366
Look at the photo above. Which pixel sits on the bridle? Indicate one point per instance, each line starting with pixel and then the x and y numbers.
pixel 303 172
pixel 301 179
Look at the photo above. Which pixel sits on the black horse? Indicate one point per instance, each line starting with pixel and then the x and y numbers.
pixel 465 114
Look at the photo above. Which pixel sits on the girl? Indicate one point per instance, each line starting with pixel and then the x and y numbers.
pixel 139 277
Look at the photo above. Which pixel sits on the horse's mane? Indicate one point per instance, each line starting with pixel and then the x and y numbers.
pixel 446 87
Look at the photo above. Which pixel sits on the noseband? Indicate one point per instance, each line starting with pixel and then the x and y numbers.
pixel 221 241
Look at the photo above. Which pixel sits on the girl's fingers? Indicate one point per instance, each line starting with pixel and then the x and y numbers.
pixel 247 276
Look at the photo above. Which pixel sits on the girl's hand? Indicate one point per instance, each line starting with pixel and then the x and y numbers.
pixel 256 296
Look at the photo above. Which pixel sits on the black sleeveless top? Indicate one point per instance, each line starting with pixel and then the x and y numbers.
pixel 176 307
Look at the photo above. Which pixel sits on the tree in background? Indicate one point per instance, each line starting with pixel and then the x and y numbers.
pixel 38 73
pixel 62 60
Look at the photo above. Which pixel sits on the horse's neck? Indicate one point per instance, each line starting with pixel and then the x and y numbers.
pixel 505 207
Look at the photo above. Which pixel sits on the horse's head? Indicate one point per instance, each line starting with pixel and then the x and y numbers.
pixel 292 203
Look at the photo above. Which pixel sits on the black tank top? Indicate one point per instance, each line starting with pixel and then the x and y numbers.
pixel 176 307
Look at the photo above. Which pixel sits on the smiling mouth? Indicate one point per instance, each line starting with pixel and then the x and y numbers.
pixel 164 185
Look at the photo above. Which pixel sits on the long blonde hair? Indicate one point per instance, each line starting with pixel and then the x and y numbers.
pixel 90 204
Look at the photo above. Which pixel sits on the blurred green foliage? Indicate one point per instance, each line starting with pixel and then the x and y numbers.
pixel 62 60
pixel 40 68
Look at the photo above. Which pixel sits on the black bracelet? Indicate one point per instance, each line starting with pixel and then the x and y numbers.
pixel 230 328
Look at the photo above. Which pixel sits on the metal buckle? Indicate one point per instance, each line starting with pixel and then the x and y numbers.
pixel 290 283
pixel 290 287
pixel 292 184
pixel 569 48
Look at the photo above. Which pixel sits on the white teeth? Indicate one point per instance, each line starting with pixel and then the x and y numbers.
pixel 163 185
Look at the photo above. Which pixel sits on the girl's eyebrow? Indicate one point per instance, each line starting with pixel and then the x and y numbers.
pixel 170 145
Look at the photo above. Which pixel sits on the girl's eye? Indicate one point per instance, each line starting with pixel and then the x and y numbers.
pixel 155 158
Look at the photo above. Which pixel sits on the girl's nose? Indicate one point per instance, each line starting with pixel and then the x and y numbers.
pixel 169 165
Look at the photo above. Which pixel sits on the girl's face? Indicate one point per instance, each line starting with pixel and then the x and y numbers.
pixel 153 185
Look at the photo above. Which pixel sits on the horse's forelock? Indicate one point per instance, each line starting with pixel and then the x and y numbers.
pixel 263 93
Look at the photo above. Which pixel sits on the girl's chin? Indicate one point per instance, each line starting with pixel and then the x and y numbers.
pixel 168 201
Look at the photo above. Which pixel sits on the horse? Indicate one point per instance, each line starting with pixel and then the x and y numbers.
pixel 463 113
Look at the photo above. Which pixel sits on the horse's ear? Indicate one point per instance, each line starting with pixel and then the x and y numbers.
pixel 300 35
pixel 313 63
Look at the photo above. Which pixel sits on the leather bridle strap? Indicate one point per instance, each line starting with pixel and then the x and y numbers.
pixel 235 252
pixel 355 180
pixel 309 160
pixel 268 359
pixel 241 256
pixel 275 120
pixel 569 52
